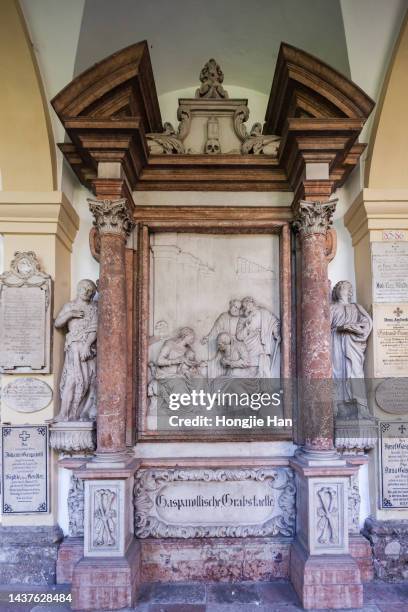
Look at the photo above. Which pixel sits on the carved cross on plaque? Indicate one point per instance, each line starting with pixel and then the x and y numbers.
pixel 24 436
pixel 402 429
pixel 398 312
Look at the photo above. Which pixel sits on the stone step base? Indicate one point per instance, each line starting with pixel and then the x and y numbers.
pixel 28 555
pixel 70 552
pixel 198 560
pixel 215 559
pixel 326 581
pixel 361 552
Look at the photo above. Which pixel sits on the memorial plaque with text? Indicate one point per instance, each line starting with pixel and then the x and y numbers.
pixel 25 469
pixel 390 340
pixel 214 502
pixel 27 394
pixel 390 271
pixel 394 464
pixel 25 316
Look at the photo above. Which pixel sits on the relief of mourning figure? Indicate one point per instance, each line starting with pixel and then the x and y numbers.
pixel 176 364
pixel 78 379
pixel 233 356
pixel 351 325
pixel 259 330
pixel 225 322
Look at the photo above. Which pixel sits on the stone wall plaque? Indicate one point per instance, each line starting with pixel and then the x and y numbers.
pixel 197 503
pixel 25 484
pixel 390 340
pixel 392 395
pixel 390 271
pixel 394 464
pixel 27 394
pixel 25 316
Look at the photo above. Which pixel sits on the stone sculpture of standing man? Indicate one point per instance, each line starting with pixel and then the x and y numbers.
pixel 78 379
pixel 351 325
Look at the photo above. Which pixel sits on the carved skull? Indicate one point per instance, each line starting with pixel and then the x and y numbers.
pixel 212 146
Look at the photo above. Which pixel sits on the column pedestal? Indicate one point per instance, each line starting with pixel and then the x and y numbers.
pixel 322 571
pixel 108 575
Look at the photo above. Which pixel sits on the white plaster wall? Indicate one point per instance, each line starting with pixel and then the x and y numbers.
pixel 1 253
pixel 64 478
pixel 54 27
pixel 83 265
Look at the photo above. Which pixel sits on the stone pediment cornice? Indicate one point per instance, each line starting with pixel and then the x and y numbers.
pixel 314 116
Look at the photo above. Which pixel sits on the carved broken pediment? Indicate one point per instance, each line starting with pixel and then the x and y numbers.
pixel 212 123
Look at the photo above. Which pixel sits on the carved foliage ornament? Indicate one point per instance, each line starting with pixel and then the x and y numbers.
pixel 112 216
pixel 150 482
pixel 254 142
pixel 314 217
pixel 76 507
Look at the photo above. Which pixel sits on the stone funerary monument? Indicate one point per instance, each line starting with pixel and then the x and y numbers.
pixel 208 299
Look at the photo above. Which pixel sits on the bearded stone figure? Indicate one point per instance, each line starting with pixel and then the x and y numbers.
pixel 78 379
pixel 351 325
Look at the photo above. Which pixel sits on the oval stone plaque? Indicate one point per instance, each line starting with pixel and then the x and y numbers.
pixel 392 395
pixel 27 394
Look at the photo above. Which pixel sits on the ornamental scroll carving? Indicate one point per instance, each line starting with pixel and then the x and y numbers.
pixel 76 507
pixel 314 217
pixel 105 518
pixel 225 130
pixel 327 515
pixel 112 216
pixel 154 486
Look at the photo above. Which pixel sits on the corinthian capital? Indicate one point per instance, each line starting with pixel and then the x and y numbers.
pixel 111 216
pixel 314 217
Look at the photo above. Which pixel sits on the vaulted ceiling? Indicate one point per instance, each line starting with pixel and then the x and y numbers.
pixel 244 36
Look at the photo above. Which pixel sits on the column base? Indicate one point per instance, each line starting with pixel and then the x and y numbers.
pixel 325 581
pixel 105 583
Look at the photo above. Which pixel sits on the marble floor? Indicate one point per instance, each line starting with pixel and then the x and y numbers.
pixel 275 596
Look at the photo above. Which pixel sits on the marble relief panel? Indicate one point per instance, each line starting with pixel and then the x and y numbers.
pixel 214 307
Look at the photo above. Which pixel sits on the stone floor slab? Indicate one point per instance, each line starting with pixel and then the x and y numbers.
pixel 280 592
pixel 238 593
pixel 178 593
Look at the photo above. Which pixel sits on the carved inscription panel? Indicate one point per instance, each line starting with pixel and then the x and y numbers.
pixel 25 469
pixel 214 502
pixel 25 316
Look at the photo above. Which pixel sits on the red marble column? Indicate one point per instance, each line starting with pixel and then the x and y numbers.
pixel 114 223
pixel 315 399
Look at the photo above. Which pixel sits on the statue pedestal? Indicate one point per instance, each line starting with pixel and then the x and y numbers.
pixel 322 570
pixel 108 575
pixel 355 436
pixel 73 437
